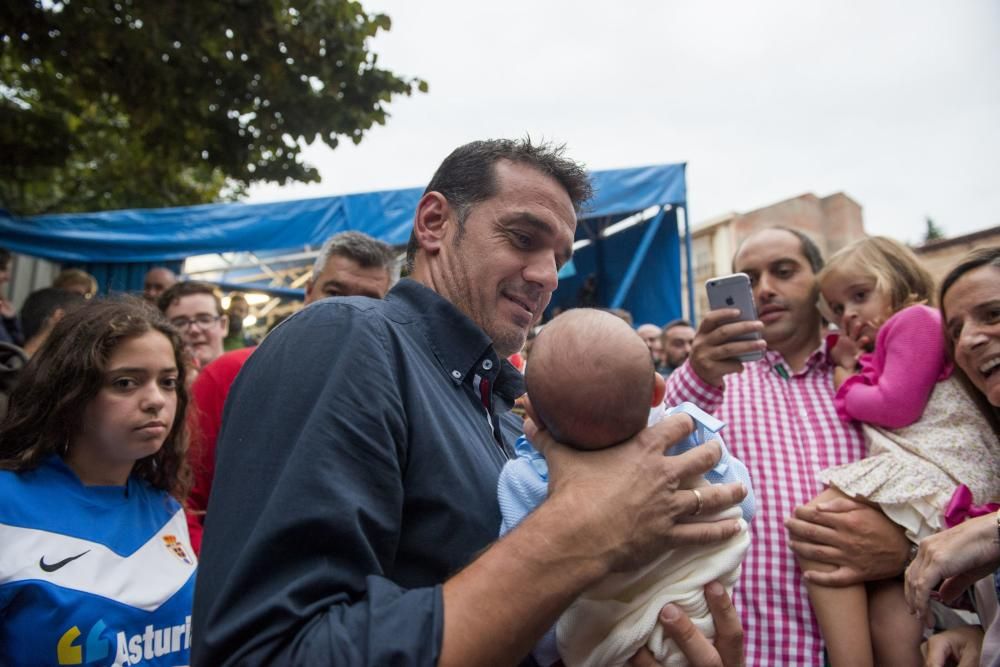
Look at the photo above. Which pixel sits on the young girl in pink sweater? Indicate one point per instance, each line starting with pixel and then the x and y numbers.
pixel 925 436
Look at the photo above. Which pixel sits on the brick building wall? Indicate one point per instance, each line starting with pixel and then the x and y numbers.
pixel 832 222
pixel 942 255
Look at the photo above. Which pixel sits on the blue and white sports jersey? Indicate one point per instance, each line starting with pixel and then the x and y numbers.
pixel 92 575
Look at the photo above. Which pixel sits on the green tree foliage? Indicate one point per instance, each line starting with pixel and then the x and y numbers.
pixel 141 103
pixel 933 232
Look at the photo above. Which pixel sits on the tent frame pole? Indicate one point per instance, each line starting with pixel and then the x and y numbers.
pixel 640 256
pixel 692 316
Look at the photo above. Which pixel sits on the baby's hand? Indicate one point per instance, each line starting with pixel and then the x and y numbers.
pixel 856 331
pixel 846 352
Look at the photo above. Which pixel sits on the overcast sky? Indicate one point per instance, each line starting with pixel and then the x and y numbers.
pixel 896 104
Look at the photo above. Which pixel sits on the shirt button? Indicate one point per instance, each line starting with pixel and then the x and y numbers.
pixel 487 365
pixel 457 375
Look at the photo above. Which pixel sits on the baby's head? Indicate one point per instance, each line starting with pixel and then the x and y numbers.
pixel 870 280
pixel 591 380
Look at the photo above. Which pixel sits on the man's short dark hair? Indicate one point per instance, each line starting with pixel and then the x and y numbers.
pixel 808 247
pixel 41 304
pixel 356 246
pixel 467 177
pixel 679 322
pixel 187 288
pixel 4 259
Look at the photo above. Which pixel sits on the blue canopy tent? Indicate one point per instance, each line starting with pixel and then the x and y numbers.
pixel 637 268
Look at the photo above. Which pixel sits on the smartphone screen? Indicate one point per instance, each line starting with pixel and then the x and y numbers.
pixel 734 291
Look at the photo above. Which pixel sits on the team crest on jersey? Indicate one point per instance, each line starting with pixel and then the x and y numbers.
pixel 172 543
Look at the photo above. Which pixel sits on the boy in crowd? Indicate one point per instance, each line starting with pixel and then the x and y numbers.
pixel 195 308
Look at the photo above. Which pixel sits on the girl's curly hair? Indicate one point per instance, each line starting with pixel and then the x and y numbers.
pixel 46 408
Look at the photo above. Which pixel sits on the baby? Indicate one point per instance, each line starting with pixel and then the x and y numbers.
pixel 592 383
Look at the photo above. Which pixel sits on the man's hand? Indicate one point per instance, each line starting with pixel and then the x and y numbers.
pixel 854 537
pixel 714 352
pixel 608 510
pixel 6 309
pixel 625 501
pixel 959 646
pixel 728 648
pixel 960 556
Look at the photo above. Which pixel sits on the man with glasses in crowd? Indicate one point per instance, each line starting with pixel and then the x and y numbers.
pixel 195 308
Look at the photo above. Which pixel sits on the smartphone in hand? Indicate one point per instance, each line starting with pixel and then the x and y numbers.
pixel 734 291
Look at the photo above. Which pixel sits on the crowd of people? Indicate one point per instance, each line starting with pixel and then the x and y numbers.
pixel 355 489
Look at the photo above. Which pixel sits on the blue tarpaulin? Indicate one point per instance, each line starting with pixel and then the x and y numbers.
pixel 165 236
pixel 654 295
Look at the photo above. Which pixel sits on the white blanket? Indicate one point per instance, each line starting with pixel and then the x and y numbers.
pixel 611 621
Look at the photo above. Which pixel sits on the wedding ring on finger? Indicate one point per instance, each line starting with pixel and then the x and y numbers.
pixel 701 502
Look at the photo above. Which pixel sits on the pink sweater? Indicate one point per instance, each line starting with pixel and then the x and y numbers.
pixel 896 379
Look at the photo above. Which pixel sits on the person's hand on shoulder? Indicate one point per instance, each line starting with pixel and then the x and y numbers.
pixel 714 352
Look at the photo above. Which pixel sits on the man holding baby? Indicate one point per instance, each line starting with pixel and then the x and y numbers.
pixel 357 519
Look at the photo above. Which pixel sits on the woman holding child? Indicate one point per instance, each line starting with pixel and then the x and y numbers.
pixel 925 436
pixel 970 551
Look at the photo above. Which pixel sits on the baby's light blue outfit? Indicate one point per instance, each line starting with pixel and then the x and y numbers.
pixel 523 484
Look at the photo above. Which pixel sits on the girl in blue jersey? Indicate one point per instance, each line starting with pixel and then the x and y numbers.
pixel 96 566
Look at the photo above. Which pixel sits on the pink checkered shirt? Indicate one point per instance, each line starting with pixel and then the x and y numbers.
pixel 785 431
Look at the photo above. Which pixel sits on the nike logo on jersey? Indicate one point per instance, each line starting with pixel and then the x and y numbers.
pixel 55 566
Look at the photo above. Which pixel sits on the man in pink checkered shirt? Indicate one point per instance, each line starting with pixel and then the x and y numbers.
pixel 781 423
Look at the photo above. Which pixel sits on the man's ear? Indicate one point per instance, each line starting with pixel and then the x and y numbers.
pixel 224 323
pixel 659 390
pixel 430 224
pixel 307 299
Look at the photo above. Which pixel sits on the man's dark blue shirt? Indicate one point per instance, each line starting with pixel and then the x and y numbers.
pixel 356 472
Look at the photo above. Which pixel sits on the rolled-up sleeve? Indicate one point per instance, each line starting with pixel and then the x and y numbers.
pixel 685 385
pixel 305 516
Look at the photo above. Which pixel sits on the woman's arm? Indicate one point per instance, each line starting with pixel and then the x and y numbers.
pixel 958 556
pixel 960 646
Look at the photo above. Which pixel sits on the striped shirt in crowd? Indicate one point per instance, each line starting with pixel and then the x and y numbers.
pixel 783 426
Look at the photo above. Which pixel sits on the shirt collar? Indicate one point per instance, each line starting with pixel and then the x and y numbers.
pixel 55 465
pixel 457 342
pixel 817 361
